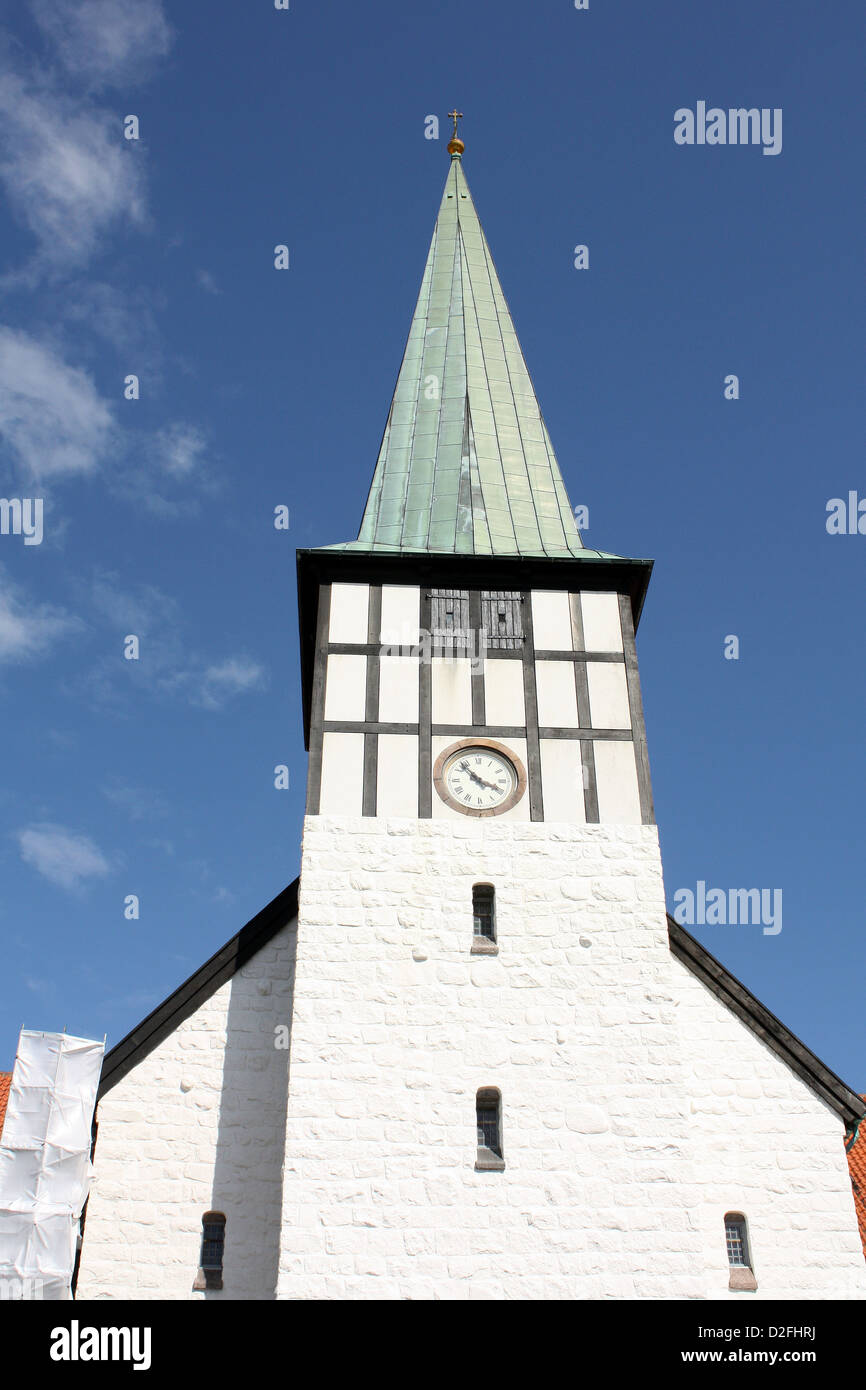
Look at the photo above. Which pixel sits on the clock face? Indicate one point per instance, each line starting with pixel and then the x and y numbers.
pixel 479 777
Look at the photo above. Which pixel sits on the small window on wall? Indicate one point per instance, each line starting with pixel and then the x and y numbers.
pixel 488 1117
pixel 213 1239
pixel 739 1255
pixel 483 917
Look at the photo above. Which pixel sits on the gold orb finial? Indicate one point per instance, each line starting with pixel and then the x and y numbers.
pixel 455 144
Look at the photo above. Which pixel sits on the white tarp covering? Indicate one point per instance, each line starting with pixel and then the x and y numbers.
pixel 45 1162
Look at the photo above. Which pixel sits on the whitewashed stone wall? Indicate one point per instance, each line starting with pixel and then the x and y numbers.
pixel 636 1109
pixel 198 1125
pixel 765 1145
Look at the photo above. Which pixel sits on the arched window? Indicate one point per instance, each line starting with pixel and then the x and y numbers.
pixel 739 1254
pixel 213 1240
pixel 488 1118
pixel 483 917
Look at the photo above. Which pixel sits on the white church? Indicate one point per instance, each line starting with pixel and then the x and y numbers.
pixel 467 1054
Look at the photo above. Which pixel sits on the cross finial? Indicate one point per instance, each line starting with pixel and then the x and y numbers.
pixel 455 144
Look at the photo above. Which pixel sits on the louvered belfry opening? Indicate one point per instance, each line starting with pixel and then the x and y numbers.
pixel 502 618
pixel 449 621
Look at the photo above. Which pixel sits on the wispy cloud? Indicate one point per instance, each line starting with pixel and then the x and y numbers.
pixel 29 630
pixel 69 175
pixel 170 667
pixel 206 282
pixel 139 803
pixel 102 41
pixel 45 989
pixel 51 414
pixel 234 676
pixel 179 449
pixel 168 471
pixel 60 855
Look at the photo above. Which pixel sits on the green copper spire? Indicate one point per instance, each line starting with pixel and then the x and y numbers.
pixel 466 464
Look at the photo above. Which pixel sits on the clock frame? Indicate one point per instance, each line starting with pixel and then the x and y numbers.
pixel 489 745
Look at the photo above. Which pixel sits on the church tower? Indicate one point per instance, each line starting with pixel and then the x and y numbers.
pixel 481 889
pixel 508 1074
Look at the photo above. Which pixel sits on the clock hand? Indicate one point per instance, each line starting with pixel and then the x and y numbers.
pixel 481 782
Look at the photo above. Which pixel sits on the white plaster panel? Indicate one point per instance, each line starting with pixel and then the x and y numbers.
pixel 398 689
pixel 503 692
pixel 198 1125
pixel 602 630
pixel 557 695
pixel 764 1145
pixel 349 608
pixel 451 683
pixel 397 775
pixel 346 687
pixel 608 695
pixel 562 780
pixel 443 811
pixel 616 780
pixel 551 621
pixel 342 786
pixel 401 607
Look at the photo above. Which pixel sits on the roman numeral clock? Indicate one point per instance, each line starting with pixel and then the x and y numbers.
pixel 479 777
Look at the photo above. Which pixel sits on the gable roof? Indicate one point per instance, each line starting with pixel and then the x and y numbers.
pixel 857 1169
pixel 787 1046
pixel 215 972
pixel 198 988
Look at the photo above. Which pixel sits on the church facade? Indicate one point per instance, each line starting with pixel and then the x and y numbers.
pixel 467 1054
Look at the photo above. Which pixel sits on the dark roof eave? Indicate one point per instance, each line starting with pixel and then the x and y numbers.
pixel 195 991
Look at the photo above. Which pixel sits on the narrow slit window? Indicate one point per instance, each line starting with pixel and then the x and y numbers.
pixel 735 1239
pixel 484 911
pixel 213 1241
pixel 739 1256
pixel 488 1117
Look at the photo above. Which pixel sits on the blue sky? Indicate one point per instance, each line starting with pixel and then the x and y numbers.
pixel 261 388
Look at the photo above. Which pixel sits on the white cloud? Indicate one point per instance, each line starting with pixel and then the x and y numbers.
pixel 144 611
pixel 178 449
pixel 61 855
pixel 28 630
pixel 170 668
pixel 220 682
pixel 69 173
pixel 207 282
pixel 105 41
pixel 139 803
pixel 51 414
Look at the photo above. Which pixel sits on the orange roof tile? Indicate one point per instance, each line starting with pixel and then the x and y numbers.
pixel 5 1083
pixel 857 1168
